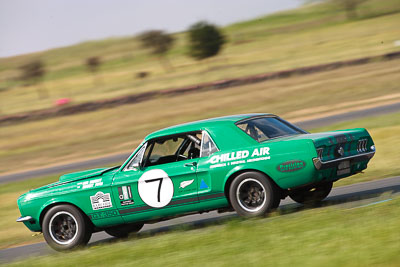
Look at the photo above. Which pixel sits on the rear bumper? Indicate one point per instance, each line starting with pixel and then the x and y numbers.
pixel 322 165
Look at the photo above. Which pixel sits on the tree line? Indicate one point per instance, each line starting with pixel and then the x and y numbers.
pixel 205 40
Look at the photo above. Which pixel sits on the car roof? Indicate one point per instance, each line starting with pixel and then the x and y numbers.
pixel 201 124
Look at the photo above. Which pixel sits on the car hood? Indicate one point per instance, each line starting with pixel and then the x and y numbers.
pixel 75 176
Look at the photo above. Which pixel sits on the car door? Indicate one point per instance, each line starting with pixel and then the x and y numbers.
pixel 209 187
pixel 160 180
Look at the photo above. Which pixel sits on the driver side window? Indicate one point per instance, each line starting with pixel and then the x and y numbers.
pixel 171 149
pixel 164 151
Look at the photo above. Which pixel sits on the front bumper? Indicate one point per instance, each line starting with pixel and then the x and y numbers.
pixel 25 219
pixel 322 165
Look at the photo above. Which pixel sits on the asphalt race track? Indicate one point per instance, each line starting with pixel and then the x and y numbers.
pixel 352 196
pixel 106 161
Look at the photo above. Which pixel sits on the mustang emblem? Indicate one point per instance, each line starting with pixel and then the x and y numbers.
pixel 340 151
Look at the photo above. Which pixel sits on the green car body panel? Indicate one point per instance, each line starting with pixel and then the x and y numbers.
pixel 113 196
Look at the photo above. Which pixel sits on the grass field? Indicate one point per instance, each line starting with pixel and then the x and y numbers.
pixel 312 34
pixel 384 130
pixel 332 236
pixel 64 139
pixel 11 232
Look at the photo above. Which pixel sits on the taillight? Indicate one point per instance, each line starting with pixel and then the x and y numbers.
pixel 362 145
pixel 320 152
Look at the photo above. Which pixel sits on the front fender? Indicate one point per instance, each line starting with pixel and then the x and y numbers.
pixel 36 224
pixel 53 202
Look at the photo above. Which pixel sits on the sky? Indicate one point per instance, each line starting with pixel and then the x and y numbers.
pixel 35 25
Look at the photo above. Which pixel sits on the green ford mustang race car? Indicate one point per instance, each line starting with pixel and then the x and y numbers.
pixel 246 163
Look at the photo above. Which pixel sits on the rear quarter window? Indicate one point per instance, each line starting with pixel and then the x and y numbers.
pixel 264 128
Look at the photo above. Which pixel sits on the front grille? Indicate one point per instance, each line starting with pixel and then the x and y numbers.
pixel 362 145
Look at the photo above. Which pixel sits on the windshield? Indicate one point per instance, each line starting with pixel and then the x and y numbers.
pixel 265 128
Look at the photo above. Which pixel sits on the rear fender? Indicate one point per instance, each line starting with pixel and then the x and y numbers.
pixel 242 168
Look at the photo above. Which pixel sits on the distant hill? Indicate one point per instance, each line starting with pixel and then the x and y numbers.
pixel 313 34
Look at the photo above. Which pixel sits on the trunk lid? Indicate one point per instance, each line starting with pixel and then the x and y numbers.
pixel 336 144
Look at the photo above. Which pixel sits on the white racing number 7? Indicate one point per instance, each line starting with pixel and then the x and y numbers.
pixel 155 188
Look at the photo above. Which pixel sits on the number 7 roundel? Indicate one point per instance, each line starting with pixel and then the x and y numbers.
pixel 155 188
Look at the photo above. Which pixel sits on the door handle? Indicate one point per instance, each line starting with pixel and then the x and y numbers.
pixel 192 164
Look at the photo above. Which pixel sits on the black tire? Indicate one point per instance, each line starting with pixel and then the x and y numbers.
pixel 64 227
pixel 312 195
pixel 252 194
pixel 275 204
pixel 122 231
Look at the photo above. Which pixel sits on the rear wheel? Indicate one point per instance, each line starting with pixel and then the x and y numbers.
pixel 65 227
pixel 276 203
pixel 124 230
pixel 252 194
pixel 312 195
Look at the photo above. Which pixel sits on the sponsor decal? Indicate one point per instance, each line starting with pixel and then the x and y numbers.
pixel 291 166
pixel 125 195
pixel 155 188
pixel 89 184
pixel 203 184
pixel 101 201
pixel 239 157
pixel 104 214
pixel 186 183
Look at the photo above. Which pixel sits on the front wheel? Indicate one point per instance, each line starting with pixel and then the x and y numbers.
pixel 65 227
pixel 312 195
pixel 252 194
pixel 121 231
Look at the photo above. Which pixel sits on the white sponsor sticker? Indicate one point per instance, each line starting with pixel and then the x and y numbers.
pixel 239 157
pixel 89 184
pixel 186 183
pixel 155 188
pixel 101 201
pixel 125 195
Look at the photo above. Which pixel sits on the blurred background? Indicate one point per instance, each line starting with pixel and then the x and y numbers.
pixel 87 79
pixel 83 80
